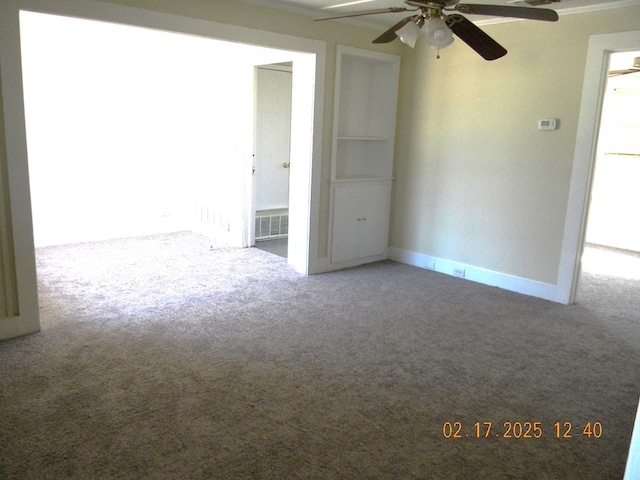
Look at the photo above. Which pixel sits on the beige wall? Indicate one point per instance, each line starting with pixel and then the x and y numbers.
pixel 477 183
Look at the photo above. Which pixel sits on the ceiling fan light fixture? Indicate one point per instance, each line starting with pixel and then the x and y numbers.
pixel 438 34
pixel 409 33
pixel 440 25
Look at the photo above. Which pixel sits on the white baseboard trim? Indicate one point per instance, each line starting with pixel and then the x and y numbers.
pixel 476 274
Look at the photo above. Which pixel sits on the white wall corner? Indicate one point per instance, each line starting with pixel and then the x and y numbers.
pixel 492 278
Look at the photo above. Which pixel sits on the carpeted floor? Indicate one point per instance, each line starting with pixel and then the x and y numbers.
pixel 160 358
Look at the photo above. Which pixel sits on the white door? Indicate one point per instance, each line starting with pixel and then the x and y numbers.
pixel 273 137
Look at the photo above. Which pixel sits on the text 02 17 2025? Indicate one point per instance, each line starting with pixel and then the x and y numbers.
pixel 521 429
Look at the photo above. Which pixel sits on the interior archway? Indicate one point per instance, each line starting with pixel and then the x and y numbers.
pixel 308 91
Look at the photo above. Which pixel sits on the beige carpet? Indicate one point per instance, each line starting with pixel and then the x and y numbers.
pixel 162 359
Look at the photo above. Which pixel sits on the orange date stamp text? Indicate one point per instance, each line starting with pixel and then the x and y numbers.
pixel 522 429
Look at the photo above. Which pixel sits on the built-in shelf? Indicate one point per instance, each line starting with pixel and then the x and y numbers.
pixel 364 122
pixel 362 155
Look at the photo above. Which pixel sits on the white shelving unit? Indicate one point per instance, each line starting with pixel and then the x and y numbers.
pixel 362 156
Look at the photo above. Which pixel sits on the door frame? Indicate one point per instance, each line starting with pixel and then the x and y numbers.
pixel 595 78
pixel 309 64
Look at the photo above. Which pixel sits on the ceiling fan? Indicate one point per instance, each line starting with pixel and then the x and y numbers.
pixel 440 26
pixel 635 68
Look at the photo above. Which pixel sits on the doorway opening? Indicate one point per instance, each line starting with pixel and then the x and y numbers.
pixel 309 65
pixel 133 131
pixel 595 79
pixel 612 238
pixel 272 157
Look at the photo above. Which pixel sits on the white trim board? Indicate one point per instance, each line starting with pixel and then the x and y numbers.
pixel 475 274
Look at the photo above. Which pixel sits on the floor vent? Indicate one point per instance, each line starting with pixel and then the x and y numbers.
pixel 272 226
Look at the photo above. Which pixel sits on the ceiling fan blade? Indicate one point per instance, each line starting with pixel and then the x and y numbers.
pixel 617 73
pixel 390 35
pixel 366 12
pixel 473 36
pixel 543 14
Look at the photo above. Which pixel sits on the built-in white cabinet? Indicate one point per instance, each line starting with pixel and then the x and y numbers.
pixel 360 221
pixel 362 156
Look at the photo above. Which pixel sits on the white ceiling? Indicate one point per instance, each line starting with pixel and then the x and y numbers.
pixel 322 8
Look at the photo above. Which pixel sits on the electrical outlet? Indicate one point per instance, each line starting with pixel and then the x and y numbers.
pixel 430 265
pixel 459 272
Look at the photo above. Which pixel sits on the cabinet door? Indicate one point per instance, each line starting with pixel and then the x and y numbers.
pixel 360 222
pixel 375 220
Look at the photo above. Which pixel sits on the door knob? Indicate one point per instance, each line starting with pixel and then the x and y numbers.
pixel 286 164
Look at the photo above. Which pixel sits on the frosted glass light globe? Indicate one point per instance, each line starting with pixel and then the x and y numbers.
pixel 438 34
